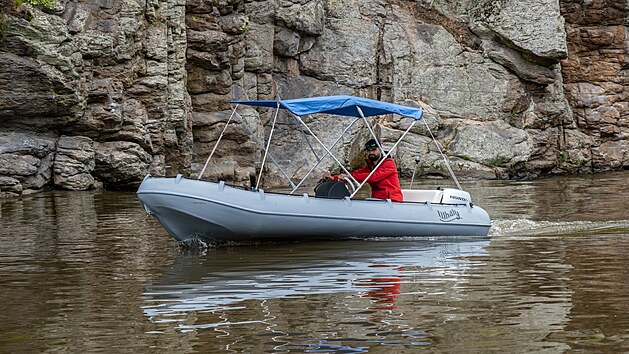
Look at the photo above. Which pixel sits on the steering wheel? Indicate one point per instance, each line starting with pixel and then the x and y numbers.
pixel 348 181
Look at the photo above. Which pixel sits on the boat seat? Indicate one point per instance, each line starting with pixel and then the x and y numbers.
pixel 332 189
pixel 422 195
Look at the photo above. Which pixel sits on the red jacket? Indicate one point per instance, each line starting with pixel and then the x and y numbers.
pixel 384 182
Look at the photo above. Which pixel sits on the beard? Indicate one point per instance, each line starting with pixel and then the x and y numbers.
pixel 373 157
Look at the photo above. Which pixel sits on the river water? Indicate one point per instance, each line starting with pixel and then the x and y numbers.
pixel 90 272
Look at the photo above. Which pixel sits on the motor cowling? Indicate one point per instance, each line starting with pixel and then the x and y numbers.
pixel 455 196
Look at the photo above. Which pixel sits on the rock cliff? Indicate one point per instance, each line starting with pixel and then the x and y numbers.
pixel 95 94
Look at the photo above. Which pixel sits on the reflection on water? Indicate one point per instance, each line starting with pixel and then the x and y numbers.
pixel 90 272
pixel 229 277
pixel 333 296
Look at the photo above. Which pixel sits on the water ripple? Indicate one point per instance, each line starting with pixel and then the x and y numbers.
pixel 89 272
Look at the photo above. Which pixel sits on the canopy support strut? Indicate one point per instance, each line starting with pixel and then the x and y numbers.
pixel 373 134
pixel 326 149
pixel 324 155
pixel 261 145
pixel 303 133
pixel 456 181
pixel 268 144
pixel 217 142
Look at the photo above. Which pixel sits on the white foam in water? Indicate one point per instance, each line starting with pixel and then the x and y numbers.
pixel 526 227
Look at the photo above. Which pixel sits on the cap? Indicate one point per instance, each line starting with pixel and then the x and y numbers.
pixel 370 144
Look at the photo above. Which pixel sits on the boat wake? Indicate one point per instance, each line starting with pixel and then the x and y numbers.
pixel 499 228
pixel 526 227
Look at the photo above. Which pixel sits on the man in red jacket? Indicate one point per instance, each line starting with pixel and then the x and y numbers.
pixel 384 183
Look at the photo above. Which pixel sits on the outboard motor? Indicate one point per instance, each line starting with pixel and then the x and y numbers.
pixel 455 196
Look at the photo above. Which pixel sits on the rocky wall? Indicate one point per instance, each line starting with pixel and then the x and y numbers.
pixel 92 94
pixel 489 73
pixel 596 82
pixel 96 94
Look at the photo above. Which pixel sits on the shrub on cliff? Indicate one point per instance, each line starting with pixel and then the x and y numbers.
pixel 39 3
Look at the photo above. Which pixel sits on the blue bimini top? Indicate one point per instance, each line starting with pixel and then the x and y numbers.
pixel 339 105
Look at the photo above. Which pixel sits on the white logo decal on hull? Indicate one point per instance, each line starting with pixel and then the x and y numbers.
pixel 447 216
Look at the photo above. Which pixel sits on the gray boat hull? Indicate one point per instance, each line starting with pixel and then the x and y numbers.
pixel 192 209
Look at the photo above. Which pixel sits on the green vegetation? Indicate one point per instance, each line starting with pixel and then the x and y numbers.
pixel 42 4
pixel 562 157
pixel 446 142
pixel 244 26
pixel 496 161
pixel 48 4
pixel 513 116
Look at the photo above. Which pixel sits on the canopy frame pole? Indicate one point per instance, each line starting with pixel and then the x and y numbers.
pixel 327 150
pixel 382 159
pixel 268 145
pixel 217 142
pixel 310 145
pixel 261 145
pixel 324 155
pixel 307 142
pixel 373 134
pixel 445 159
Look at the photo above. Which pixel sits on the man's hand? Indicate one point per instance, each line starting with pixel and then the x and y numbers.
pixel 327 176
pixel 342 176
